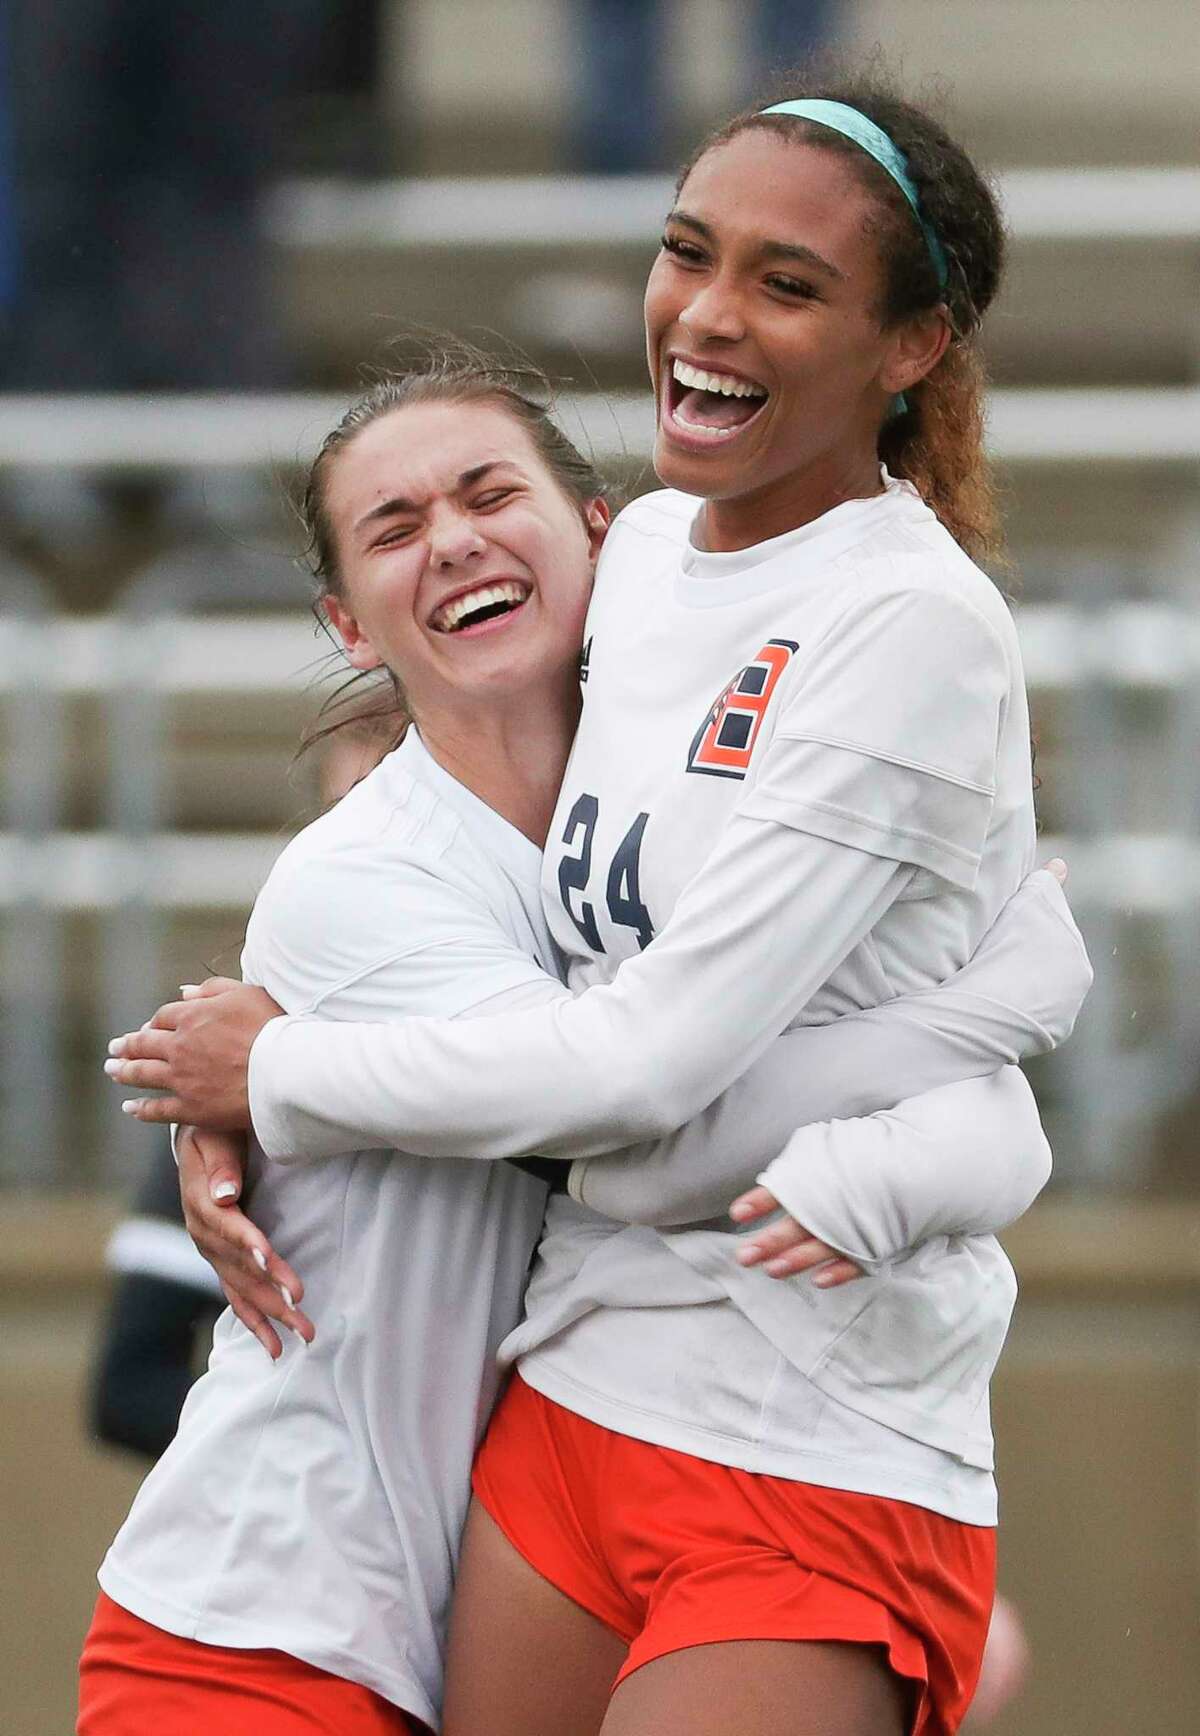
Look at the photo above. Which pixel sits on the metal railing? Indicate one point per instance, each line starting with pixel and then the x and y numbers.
pixel 1034 425
pixel 33 945
pixel 137 870
pixel 550 212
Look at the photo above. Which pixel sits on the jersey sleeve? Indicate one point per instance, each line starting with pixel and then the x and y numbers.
pixel 874 1188
pixel 888 741
pixel 630 1059
pixel 337 939
pixel 1018 995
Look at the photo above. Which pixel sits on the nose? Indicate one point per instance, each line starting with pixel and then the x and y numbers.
pixel 714 311
pixel 454 538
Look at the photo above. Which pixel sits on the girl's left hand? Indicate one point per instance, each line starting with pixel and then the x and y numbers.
pixel 197 1050
pixel 786 1247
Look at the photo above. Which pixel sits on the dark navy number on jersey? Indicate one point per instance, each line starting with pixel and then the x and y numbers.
pixel 623 888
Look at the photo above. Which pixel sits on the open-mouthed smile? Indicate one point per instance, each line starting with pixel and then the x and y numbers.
pixel 703 408
pixel 484 607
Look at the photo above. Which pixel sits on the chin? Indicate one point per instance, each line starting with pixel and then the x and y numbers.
pixel 683 470
pixel 704 477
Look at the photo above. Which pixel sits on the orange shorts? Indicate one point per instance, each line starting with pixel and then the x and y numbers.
pixel 672 1551
pixel 135 1678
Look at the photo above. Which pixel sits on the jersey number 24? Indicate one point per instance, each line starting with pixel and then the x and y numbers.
pixel 622 891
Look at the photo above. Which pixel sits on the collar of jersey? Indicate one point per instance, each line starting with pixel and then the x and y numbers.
pixel 706 580
pixel 519 854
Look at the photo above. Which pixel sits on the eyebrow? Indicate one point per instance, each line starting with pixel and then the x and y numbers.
pixel 400 503
pixel 767 249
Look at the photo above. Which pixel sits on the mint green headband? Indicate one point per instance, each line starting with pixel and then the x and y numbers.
pixel 841 118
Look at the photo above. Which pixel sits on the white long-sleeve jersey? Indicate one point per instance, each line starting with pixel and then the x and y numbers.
pixel 314 1506
pixel 840 824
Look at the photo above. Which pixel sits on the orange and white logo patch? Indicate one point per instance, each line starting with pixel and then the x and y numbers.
pixel 723 745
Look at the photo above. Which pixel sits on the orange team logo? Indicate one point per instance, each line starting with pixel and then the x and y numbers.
pixel 724 743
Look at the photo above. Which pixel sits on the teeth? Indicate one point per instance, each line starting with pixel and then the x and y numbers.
pixel 725 384
pixel 446 619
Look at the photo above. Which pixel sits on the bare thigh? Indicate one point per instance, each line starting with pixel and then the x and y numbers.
pixel 758 1687
pixel 523 1659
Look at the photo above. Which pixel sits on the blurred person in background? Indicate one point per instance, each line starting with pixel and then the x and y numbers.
pixel 157 1329
pixel 143 135
pixel 622 109
pixel 8 237
pixel 1007 1661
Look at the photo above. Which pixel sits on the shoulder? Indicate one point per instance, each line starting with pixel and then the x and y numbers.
pixel 644 543
pixel 388 869
pixel 911 560
pixel 915 655
pixel 664 516
pixel 923 598
pixel 387 821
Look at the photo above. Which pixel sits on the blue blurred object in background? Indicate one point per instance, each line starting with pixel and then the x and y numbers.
pixel 623 121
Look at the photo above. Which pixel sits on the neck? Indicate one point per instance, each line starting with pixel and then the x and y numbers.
pixel 493 751
pixel 792 501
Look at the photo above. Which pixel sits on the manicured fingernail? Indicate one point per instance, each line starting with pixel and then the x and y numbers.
pixel 740 1210
pixel 114 1068
pixel 189 990
pixel 130 1106
pixel 224 1190
pixel 287 1295
pixel 776 1267
pixel 748 1254
pixel 822 1280
pixel 260 1259
pixel 1058 868
pixel 117 1046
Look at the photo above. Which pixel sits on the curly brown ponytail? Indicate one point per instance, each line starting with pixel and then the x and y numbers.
pixel 937 443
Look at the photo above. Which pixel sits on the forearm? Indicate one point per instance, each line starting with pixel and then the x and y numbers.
pixel 852 1068
pixel 632 1059
pixel 1017 996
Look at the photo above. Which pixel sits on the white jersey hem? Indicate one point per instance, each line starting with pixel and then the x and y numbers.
pixel 826 1470
pixel 253 1634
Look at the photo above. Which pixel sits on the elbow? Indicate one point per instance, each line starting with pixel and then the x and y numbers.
pixel 1079 977
pixel 1028 1180
pixel 1041 1167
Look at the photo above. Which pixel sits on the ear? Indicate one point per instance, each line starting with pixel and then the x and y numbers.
pixel 359 650
pixel 915 349
pixel 597 516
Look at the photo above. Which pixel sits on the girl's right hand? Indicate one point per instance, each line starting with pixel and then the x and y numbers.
pixel 785 1248
pixel 258 1285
